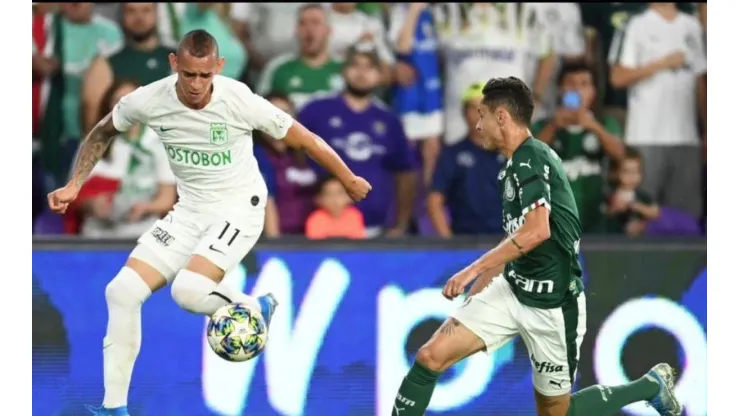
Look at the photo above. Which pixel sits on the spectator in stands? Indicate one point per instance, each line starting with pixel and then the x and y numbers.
pixel 562 24
pixel 295 180
pixel 44 66
pixel 464 180
pixel 335 217
pixel 311 73
pixel 78 36
pixel 583 140
pixel 370 139
pixel 130 188
pixel 350 27
pixel 267 28
pixel 601 21
pixel 659 57
pixel 169 22
pixel 215 18
pixel 142 60
pixel 417 96
pixel 484 40
pixel 629 206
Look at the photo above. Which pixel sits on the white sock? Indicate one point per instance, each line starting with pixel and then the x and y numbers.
pixel 124 294
pixel 199 294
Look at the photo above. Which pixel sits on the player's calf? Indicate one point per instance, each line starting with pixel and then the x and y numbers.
pixel 451 343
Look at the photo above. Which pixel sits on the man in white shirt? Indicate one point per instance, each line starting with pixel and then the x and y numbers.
pixel 205 122
pixel 481 40
pixel 659 57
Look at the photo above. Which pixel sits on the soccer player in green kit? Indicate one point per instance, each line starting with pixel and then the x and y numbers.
pixel 540 294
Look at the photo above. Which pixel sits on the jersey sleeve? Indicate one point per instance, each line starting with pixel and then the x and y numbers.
pixel 624 47
pixel 262 115
pixel 532 178
pixel 130 110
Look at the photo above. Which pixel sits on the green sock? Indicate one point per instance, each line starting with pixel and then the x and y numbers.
pixel 416 391
pixel 600 400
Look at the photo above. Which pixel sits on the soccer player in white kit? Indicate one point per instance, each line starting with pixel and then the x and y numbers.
pixel 205 122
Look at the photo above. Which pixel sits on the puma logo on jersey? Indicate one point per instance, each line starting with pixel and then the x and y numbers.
pixel 526 164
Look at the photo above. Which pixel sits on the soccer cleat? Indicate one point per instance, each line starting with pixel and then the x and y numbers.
pixel 665 402
pixel 101 411
pixel 268 303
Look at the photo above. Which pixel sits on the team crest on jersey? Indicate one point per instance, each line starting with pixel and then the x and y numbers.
pixel 591 143
pixel 219 134
pixel 508 190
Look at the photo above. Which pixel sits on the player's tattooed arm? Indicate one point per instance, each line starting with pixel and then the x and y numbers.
pixel 92 149
pixel 535 231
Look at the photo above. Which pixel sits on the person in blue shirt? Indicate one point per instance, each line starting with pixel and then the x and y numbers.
pixel 464 181
pixel 371 140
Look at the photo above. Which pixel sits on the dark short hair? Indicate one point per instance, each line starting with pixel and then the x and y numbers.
pixel 513 94
pixel 631 153
pixel 198 43
pixel 324 181
pixel 572 68
pixel 362 49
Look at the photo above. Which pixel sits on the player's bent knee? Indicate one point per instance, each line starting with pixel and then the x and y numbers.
pixel 127 289
pixel 432 359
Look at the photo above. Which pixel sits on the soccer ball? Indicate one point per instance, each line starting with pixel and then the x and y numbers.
pixel 237 332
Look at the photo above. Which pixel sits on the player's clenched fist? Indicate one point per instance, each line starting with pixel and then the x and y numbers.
pixel 60 199
pixel 457 284
pixel 357 188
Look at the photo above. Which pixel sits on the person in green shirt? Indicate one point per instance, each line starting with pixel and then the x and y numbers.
pixel 142 60
pixel 582 140
pixel 311 73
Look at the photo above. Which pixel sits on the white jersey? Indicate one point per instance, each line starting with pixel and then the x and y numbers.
pixel 209 150
pixel 482 41
pixel 669 95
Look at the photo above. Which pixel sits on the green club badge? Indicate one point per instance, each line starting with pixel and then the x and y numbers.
pixel 219 134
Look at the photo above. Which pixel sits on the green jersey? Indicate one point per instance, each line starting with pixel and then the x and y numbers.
pixel 144 67
pixel 549 275
pixel 291 76
pixel 583 160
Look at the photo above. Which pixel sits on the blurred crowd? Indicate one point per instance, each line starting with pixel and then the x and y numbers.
pixel 620 93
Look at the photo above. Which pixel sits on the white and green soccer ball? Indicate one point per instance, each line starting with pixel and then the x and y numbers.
pixel 237 332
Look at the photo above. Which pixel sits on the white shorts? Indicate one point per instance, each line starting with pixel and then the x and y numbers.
pixel 553 336
pixel 420 126
pixel 223 240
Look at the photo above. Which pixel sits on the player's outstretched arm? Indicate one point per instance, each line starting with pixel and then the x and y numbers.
pixel 300 137
pixel 90 152
pixel 92 148
pixel 535 231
